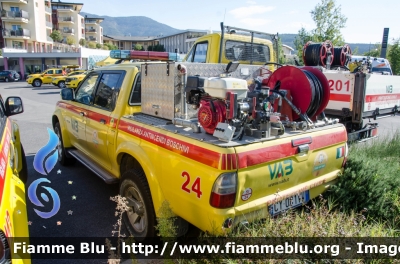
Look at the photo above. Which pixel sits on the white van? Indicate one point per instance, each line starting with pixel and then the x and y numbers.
pixel 378 65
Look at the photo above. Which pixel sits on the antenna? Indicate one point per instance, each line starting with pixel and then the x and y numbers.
pixel 224 16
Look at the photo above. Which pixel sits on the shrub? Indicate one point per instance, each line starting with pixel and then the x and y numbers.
pixel 92 45
pixel 371 180
pixel 56 35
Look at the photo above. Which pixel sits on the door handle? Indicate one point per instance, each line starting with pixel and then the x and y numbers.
pixel 102 121
pixel 82 113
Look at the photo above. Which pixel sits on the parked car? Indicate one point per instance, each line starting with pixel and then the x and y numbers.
pixel 8 76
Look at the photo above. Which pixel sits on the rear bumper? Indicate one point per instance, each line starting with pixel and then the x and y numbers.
pixel 259 208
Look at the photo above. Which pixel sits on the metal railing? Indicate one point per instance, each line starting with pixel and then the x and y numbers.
pixel 49 24
pixel 93 30
pixel 15 14
pixel 70 30
pixel 47 9
pixel 65 19
pixel 49 39
pixel 90 21
pixel 17 33
pixel 91 39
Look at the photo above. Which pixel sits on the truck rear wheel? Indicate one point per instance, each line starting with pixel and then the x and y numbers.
pixel 140 219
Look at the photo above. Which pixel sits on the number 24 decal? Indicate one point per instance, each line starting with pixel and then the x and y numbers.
pixel 195 186
pixel 338 85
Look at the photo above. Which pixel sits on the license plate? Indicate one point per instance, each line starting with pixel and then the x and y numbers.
pixel 289 203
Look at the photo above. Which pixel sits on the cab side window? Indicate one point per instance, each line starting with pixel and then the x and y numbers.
pixel 58 71
pixel 200 52
pixel 107 91
pixel 84 94
pixel 49 72
pixel 136 95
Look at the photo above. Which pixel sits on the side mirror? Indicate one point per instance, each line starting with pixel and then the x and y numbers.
pixel 67 94
pixel 14 105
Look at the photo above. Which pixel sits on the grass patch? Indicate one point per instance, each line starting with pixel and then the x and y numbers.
pixel 371 180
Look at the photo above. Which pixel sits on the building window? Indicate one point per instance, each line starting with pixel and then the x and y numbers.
pixel 17 45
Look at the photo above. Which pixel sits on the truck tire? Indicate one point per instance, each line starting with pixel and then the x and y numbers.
pixel 62 157
pixel 37 83
pixel 140 219
pixel 61 84
pixel 23 174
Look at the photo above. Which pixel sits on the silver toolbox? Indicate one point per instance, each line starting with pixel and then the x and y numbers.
pixel 162 85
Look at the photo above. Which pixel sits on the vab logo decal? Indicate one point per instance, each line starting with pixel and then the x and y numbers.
pixel 44 161
pixel 280 169
pixel 389 88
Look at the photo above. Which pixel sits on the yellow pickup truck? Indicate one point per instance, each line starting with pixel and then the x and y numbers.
pixel 60 81
pixel 14 173
pixel 46 77
pixel 213 147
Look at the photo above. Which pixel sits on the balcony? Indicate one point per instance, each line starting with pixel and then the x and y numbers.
pixel 49 39
pixel 47 9
pixel 91 39
pixel 15 16
pixel 15 1
pixel 49 24
pixel 90 21
pixel 19 33
pixel 90 30
pixel 63 8
pixel 69 31
pixel 66 20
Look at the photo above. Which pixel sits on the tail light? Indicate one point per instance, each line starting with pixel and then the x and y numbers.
pixel 346 152
pixel 223 193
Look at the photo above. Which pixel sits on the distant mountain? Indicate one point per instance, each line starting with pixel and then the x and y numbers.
pixel 138 26
pixel 141 26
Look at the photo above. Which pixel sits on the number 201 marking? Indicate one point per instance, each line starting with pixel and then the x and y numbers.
pixel 338 85
pixel 195 186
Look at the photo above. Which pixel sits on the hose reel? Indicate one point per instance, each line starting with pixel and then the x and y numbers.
pixel 308 87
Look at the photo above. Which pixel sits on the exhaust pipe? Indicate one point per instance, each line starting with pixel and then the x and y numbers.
pixel 182 72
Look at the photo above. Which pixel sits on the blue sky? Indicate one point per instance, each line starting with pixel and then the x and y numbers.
pixel 365 19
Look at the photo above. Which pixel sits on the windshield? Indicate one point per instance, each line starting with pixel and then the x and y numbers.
pixel 381 70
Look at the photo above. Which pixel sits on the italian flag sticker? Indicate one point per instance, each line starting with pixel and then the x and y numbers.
pixel 339 152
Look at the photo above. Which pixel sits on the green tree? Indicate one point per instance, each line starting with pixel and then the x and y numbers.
pixel 105 47
pixel 394 57
pixel 375 51
pixel 56 35
pixel 82 42
pixel 110 46
pixel 328 20
pixel 70 40
pixel 137 47
pixel 92 45
pixel 98 45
